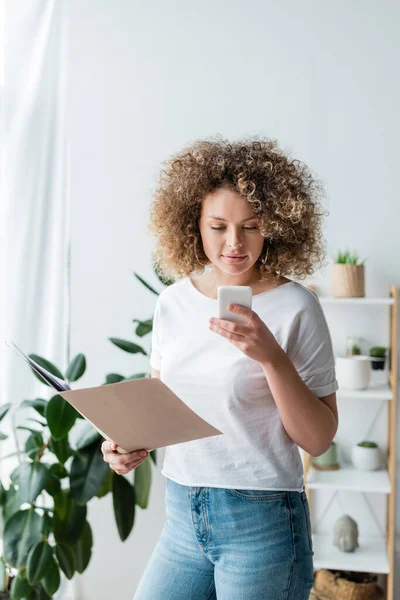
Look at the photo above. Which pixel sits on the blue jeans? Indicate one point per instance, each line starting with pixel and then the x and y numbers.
pixel 228 544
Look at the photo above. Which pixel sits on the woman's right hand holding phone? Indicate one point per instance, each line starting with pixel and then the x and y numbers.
pixel 122 463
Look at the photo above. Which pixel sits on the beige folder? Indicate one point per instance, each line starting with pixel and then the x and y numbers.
pixel 140 413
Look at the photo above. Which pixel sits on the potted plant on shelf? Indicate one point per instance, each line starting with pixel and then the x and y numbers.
pixel 366 455
pixel 378 355
pixel 353 372
pixel 348 276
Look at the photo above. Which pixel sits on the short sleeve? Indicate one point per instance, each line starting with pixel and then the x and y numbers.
pixel 311 351
pixel 155 352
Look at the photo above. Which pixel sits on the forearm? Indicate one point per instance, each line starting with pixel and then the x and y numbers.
pixel 308 422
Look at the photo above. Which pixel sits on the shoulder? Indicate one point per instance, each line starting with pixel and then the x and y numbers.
pixel 304 297
pixel 169 293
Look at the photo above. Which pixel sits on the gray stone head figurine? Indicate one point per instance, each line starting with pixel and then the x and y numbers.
pixel 345 534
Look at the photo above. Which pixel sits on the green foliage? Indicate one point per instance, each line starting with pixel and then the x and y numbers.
pixel 355 349
pixel 44 509
pixel 347 258
pixel 378 351
pixel 367 444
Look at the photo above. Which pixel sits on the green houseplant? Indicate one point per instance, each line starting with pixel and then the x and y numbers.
pixel 348 275
pixel 366 456
pixel 44 507
pixel 378 353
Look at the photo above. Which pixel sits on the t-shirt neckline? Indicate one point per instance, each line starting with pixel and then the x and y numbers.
pixel 196 291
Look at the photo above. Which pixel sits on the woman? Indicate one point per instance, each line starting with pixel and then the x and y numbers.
pixel 237 519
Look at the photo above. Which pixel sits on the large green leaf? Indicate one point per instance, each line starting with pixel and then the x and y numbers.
pixel 66 559
pixel 137 376
pixel 47 524
pixel 2 573
pixel 144 327
pixel 53 484
pixel 32 480
pixel 34 444
pixel 61 449
pixel 61 504
pixel 83 549
pixel 147 285
pixel 128 346
pixel 14 475
pixel 41 593
pixel 38 562
pixel 39 404
pixel 114 378
pixel 142 483
pixel 88 470
pixel 69 527
pixel 58 470
pixel 52 579
pixel 20 588
pixel 46 364
pixel 4 408
pixel 2 494
pixel 153 454
pixel 12 503
pixel 61 417
pixel 21 532
pixel 76 368
pixel 124 505
pixel 106 486
pixel 87 437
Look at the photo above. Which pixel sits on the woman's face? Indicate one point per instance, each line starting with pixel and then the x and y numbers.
pixel 228 226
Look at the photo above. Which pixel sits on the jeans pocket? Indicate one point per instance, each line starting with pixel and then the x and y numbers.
pixel 307 516
pixel 257 495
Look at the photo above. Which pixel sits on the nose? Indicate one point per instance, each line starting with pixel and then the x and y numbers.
pixel 234 240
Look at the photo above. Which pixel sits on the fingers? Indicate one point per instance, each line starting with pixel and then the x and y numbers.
pixel 121 463
pixel 129 467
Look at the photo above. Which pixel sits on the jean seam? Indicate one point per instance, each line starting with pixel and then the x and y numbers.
pixel 307 525
pixel 293 547
pixel 274 496
pixel 210 592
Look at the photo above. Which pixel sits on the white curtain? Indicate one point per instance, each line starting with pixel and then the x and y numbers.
pixel 35 203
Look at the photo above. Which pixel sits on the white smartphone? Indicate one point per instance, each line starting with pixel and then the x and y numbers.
pixel 233 294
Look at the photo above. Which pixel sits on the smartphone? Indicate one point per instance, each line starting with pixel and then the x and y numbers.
pixel 233 294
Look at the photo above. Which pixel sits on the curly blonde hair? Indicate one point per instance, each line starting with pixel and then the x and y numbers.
pixel 283 193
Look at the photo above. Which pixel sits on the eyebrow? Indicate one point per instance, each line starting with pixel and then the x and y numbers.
pixel 221 219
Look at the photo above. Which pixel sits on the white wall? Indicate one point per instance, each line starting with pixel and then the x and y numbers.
pixel 147 78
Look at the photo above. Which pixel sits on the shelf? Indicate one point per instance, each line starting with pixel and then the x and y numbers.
pixel 351 479
pixel 376 391
pixel 371 556
pixel 365 300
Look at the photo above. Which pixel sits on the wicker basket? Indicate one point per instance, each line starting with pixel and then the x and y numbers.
pixel 330 586
pixel 348 281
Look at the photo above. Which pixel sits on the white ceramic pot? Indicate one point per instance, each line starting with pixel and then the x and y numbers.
pixel 367 459
pixel 353 372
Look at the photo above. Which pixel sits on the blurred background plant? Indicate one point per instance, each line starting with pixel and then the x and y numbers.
pixel 347 258
pixel 45 529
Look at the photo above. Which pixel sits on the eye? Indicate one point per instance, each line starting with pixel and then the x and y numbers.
pixel 220 228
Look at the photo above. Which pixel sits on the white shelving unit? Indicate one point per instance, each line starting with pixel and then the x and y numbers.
pixel 374 554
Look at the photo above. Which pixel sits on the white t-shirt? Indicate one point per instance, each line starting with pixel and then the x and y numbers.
pixel 230 390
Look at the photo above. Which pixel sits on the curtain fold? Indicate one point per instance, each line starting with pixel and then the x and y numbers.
pixel 35 208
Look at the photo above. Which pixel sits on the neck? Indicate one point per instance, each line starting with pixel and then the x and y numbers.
pixel 250 277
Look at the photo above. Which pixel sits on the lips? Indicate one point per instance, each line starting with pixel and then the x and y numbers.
pixel 234 255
